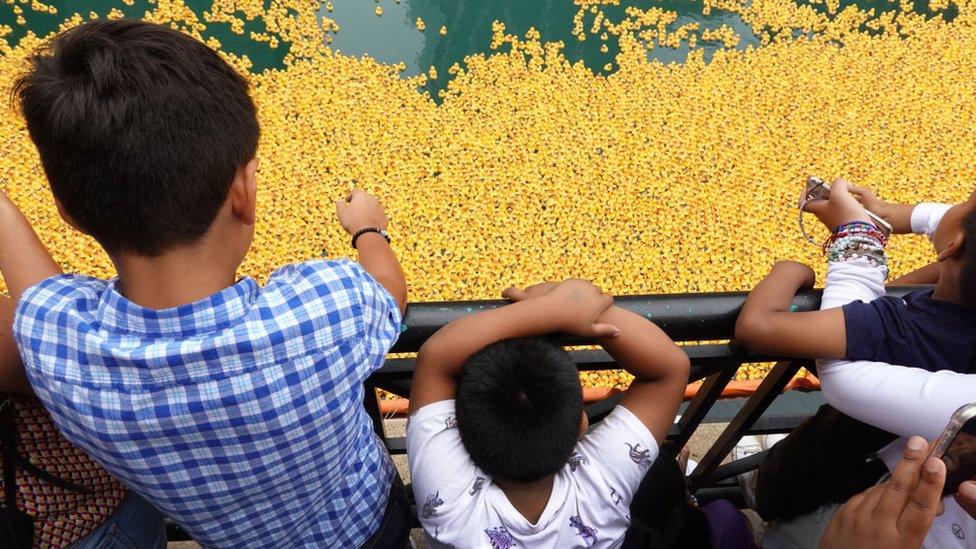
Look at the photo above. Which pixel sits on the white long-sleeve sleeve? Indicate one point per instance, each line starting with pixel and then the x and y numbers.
pixel 926 217
pixel 905 401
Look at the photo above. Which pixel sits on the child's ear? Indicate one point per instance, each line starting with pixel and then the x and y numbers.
pixel 244 192
pixel 584 423
pixel 67 217
pixel 953 247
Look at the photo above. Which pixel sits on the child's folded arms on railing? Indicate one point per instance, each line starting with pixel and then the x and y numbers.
pixel 497 439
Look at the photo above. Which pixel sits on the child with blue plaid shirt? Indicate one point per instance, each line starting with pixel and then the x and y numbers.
pixel 235 409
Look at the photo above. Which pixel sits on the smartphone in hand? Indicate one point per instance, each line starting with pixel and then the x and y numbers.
pixel 818 189
pixel 957 448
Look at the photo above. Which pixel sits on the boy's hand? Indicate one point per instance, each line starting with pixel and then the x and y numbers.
pixel 842 207
pixel 360 210
pixel 577 305
pixel 530 292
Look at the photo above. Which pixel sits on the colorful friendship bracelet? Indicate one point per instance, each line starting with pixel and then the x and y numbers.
pixel 857 240
pixel 856 228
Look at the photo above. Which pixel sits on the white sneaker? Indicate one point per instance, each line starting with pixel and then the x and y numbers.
pixel 747 446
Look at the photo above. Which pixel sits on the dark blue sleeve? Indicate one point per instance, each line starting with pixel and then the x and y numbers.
pixel 876 330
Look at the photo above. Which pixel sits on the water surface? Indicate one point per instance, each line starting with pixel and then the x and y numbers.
pixel 394 38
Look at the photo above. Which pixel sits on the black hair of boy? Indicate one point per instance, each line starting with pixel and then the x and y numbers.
pixel 967 276
pixel 519 405
pixel 141 130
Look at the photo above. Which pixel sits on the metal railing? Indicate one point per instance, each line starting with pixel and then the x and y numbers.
pixel 686 318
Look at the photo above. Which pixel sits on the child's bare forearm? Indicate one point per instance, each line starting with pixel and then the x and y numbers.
pixel 766 324
pixel 660 370
pixel 454 344
pixel 24 261
pixel 899 216
pixel 774 294
pixel 377 258
pixel 441 359
pixel 643 349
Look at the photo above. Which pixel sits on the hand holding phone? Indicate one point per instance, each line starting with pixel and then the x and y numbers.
pixel 817 189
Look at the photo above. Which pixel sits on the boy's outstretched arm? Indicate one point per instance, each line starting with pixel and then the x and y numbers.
pixel 23 263
pixel 899 216
pixel 766 325
pixel 660 369
pixel 361 210
pixel 574 306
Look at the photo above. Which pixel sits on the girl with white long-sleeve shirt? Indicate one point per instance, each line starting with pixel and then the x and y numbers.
pixel 931 330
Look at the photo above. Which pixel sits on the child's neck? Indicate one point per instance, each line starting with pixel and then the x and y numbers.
pixel 529 498
pixel 947 288
pixel 945 293
pixel 177 277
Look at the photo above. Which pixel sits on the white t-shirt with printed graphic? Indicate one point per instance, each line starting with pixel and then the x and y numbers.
pixel 459 506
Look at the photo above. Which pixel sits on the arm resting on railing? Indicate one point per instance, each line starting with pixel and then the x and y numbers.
pixel 660 370
pixel 767 325
pixel 575 306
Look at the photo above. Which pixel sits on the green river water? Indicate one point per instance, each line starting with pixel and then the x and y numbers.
pixel 393 37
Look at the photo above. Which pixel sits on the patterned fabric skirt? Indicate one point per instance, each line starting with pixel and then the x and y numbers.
pixel 80 497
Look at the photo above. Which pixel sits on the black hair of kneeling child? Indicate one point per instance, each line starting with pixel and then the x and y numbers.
pixel 662 515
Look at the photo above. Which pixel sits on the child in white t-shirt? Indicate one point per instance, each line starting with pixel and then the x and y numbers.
pixel 499 452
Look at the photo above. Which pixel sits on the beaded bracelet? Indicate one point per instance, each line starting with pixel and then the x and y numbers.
pixel 855 228
pixel 855 241
pixel 850 248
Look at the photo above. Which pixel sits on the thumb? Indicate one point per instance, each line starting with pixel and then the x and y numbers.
pixel 514 294
pixel 605 330
pixel 840 188
pixel 816 207
pixel 923 504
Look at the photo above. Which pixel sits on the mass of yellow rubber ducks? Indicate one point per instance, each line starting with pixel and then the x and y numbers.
pixel 653 178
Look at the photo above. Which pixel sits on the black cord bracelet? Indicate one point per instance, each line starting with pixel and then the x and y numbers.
pixel 365 230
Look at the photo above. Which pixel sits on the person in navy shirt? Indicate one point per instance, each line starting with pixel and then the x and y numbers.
pixel 832 456
pixel 917 330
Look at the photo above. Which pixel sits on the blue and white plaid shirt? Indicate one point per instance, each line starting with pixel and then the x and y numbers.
pixel 240 416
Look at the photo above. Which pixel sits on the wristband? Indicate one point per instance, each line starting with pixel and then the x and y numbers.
pixel 365 230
